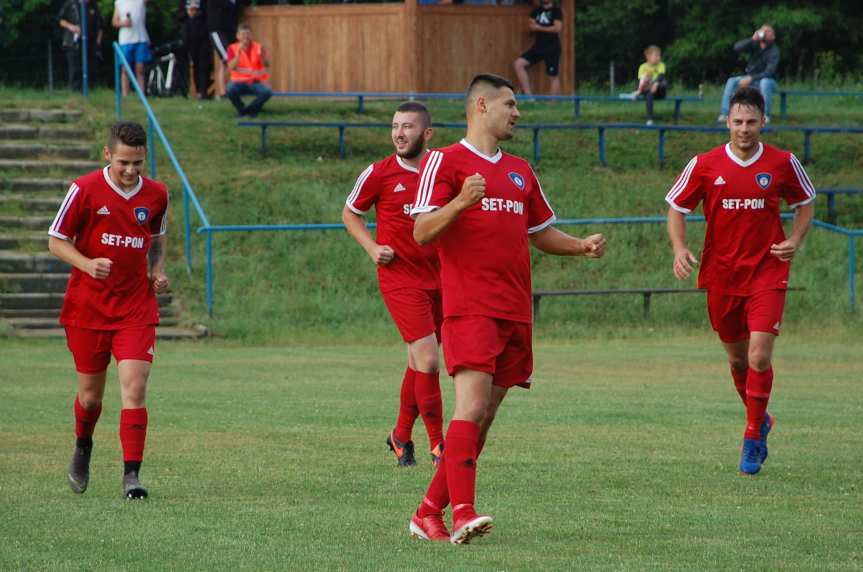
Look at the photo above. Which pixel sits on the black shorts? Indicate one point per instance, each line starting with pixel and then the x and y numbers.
pixel 551 56
pixel 220 40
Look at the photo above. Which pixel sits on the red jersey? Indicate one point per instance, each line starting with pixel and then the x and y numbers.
pixel 741 205
pixel 390 186
pixel 104 221
pixel 484 254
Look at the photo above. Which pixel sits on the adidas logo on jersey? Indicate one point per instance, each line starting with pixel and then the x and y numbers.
pixel 719 180
pixel 399 188
pixel 103 211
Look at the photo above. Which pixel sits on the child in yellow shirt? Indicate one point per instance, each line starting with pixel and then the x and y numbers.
pixel 651 80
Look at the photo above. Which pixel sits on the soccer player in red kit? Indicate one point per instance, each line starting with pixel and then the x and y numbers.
pixel 482 207
pixel 746 258
pixel 108 225
pixel 407 274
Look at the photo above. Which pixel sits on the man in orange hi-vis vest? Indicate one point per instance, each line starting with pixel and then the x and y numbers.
pixel 249 65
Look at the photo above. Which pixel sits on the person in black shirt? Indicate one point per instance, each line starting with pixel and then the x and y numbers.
pixel 69 18
pixel 193 20
pixel 760 71
pixel 222 19
pixel 546 22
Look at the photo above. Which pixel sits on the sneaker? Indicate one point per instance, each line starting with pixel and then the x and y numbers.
pixel 468 528
pixel 430 527
pixel 766 427
pixel 437 453
pixel 79 469
pixel 721 118
pixel 750 457
pixel 132 487
pixel 404 452
pixel 649 122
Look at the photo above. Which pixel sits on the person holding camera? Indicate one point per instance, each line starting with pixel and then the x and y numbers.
pixel 69 18
pixel 130 16
pixel 760 71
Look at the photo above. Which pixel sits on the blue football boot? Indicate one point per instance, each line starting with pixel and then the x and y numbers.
pixel 750 457
pixel 766 427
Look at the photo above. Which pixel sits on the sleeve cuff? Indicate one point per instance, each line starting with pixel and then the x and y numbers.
pixel 801 203
pixel 420 210
pixel 542 226
pixel 678 208
pixel 56 234
pixel 355 210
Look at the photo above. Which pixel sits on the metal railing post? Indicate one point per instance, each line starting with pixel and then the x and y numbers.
pixel 187 230
pixel 536 145
pixel 209 272
pixel 151 147
pixel 852 271
pixel 85 73
pixel 118 88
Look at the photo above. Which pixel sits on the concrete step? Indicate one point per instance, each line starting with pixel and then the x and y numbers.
pixel 29 241
pixel 22 262
pixel 32 150
pixel 47 323
pixel 35 185
pixel 47 300
pixel 72 166
pixel 29 203
pixel 26 222
pixel 21 132
pixel 33 282
pixel 162 333
pixel 166 311
pixel 19 115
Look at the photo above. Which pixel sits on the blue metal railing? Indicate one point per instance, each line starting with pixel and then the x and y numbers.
pixel 154 128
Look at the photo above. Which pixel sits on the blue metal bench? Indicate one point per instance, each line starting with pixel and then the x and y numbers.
pixel 601 128
pixel 784 93
pixel 362 96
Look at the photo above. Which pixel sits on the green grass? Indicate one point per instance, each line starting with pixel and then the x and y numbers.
pixel 279 287
pixel 623 456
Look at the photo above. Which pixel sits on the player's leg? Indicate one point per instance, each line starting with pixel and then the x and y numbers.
pixel 520 66
pixel 235 91
pixel 424 356
pixel 552 68
pixel 728 319
pixel 498 394
pixel 767 86
pixel 262 94
pixel 738 360
pixel 730 88
pixel 399 440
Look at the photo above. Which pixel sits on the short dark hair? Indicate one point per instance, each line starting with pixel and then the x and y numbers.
pixel 245 26
pixel 748 96
pixel 128 133
pixel 489 79
pixel 416 107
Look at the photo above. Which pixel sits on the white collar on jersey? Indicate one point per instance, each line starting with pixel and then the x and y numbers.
pixel 118 190
pixel 491 159
pixel 405 166
pixel 741 162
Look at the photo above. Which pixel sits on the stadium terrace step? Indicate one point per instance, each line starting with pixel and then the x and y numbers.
pixel 33 282
pixel 29 242
pixel 162 333
pixel 35 185
pixel 28 222
pixel 40 115
pixel 166 311
pixel 47 300
pixel 12 132
pixel 22 262
pixel 47 323
pixel 76 167
pixel 32 203
pixel 30 150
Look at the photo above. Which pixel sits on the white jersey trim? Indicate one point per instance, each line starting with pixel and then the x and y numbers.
pixel 490 158
pixel 405 166
pixel 126 195
pixel 543 225
pixel 62 211
pixel 427 181
pixel 420 210
pixel 553 217
pixel 740 161
pixel 804 181
pixel 680 185
pixel 358 188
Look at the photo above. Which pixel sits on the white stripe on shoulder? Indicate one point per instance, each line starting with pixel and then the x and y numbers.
pixel 544 198
pixel 682 180
pixel 358 186
pixel 427 180
pixel 61 213
pixel 802 177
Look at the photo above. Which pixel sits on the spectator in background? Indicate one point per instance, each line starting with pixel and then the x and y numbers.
pixel 546 23
pixel 249 65
pixel 222 18
pixel 193 22
pixel 651 80
pixel 130 16
pixel 760 71
pixel 69 19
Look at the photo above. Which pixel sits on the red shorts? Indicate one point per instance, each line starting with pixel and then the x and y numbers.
pixel 498 347
pixel 416 313
pixel 92 349
pixel 733 317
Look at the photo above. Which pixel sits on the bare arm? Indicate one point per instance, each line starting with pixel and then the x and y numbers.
pixel 683 257
pixel 157 254
pixel 98 268
pixel 786 249
pixel 431 225
pixel 356 227
pixel 553 241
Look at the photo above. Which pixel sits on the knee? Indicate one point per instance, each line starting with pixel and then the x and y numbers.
pixel 425 360
pixel 474 412
pixel 759 359
pixel 90 399
pixel 740 363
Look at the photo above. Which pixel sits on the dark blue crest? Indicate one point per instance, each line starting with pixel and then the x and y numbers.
pixel 763 180
pixel 517 179
pixel 142 214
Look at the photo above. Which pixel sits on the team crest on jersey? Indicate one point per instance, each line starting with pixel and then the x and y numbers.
pixel 763 180
pixel 142 214
pixel 517 180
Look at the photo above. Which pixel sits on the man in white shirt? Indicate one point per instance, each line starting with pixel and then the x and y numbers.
pixel 130 16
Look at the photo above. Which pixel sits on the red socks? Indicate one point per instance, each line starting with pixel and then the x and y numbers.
pixel 739 376
pixel 758 386
pixel 408 410
pixel 85 421
pixel 462 439
pixel 430 404
pixel 133 433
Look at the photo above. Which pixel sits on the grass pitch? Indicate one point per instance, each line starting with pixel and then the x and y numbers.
pixel 623 456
